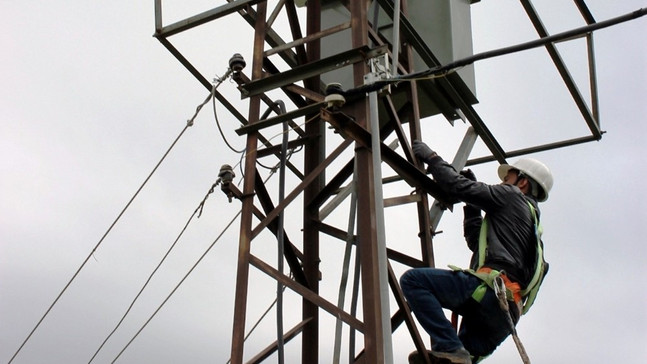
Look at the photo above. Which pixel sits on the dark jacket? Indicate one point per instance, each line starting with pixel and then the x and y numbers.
pixel 512 245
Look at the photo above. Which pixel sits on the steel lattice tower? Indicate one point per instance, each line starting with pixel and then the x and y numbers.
pixel 335 131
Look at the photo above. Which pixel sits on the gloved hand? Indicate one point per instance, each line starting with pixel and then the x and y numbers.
pixel 467 173
pixel 422 151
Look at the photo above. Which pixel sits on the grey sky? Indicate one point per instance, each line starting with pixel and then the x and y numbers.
pixel 90 101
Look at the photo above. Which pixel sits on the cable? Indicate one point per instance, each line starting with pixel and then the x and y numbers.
pixel 267 112
pixel 181 281
pixel 290 153
pixel 102 239
pixel 178 285
pixel 222 134
pixel 280 239
pixel 197 211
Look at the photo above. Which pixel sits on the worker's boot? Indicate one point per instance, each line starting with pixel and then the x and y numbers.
pixel 459 356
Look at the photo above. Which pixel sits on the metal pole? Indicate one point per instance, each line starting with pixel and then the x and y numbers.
pixel 350 239
pixel 366 218
pixel 396 37
pixel 383 277
pixel 593 79
pixel 436 211
pixel 158 16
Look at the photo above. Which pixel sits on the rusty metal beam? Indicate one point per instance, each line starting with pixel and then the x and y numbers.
pixel 273 347
pixel 415 131
pixel 310 95
pixel 397 125
pixel 563 70
pixel 310 38
pixel 295 97
pixel 342 176
pixel 295 28
pixel 401 200
pixel 404 309
pixel 207 16
pixel 345 172
pixel 291 252
pixel 311 69
pixel 314 154
pixel 374 339
pixel 276 149
pixel 245 235
pixel 403 314
pixel 312 108
pixel 185 62
pixel 392 254
pixel 241 79
pixel 411 174
pixel 447 86
pixel 271 37
pixel 312 176
pixel 307 294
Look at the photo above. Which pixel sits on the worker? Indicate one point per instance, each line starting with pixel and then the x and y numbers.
pixel 507 236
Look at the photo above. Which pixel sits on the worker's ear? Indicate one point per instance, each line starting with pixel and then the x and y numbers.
pixel 524 184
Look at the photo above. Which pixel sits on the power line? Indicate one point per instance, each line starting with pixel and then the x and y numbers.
pixel 189 123
pixel 177 286
pixel 101 240
pixel 197 211
pixel 183 279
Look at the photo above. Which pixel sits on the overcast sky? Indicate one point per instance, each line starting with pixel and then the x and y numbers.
pixel 90 102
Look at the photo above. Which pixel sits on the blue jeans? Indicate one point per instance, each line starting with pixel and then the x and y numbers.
pixel 484 325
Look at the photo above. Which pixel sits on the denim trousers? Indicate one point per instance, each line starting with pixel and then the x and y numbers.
pixel 484 325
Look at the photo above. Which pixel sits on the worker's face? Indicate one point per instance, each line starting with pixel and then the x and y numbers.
pixel 511 178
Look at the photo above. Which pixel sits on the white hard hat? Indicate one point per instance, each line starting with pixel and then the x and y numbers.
pixel 533 169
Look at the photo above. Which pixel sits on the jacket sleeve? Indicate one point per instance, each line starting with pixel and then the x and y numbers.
pixel 483 196
pixel 472 221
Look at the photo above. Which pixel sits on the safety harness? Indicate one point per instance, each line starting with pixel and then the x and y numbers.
pixel 522 298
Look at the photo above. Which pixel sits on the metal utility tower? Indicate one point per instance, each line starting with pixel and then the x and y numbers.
pixel 353 43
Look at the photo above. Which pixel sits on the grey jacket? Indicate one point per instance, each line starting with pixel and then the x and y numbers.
pixel 512 245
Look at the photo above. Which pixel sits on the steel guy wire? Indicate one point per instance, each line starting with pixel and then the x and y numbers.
pixel 100 242
pixel 177 286
pixel 182 280
pixel 189 123
pixel 197 211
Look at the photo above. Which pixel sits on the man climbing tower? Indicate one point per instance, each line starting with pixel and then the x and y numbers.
pixel 506 245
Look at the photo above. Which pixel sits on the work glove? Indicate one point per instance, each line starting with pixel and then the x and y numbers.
pixel 467 173
pixel 422 151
